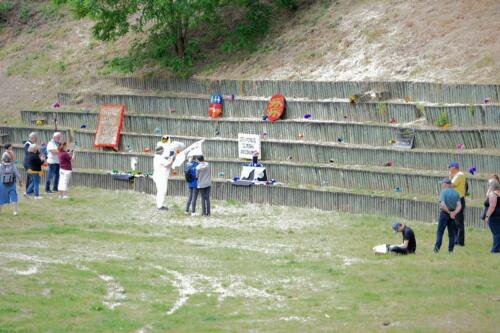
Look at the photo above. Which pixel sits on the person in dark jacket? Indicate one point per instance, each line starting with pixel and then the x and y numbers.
pixel 32 138
pixel 492 215
pixel 409 244
pixel 34 164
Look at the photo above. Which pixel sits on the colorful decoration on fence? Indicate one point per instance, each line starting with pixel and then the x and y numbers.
pixel 397 189
pixel 56 104
pixel 263 134
pixel 40 122
pixel 109 125
pixel 83 126
pixel 393 120
pixel 486 100
pixel 147 150
pixel 388 164
pixel 275 107
pixel 301 136
pixel 460 146
pixel 232 97
pixel 215 106
pixel 220 174
pixel 264 117
pixel 340 139
pixel 172 110
pixel 392 141
pixel 307 116
pixel 472 170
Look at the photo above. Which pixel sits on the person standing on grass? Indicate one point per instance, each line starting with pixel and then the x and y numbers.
pixel 65 170
pixel 192 184
pixel 53 162
pixel 458 181
pixel 8 176
pixel 409 244
pixel 449 206
pixel 492 215
pixel 161 173
pixel 204 183
pixel 32 138
pixel 35 161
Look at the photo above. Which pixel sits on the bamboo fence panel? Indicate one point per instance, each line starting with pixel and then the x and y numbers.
pixel 317 131
pixel 195 106
pixel 294 152
pixel 415 91
pixel 465 115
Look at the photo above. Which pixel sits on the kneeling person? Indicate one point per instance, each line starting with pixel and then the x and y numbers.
pixel 409 244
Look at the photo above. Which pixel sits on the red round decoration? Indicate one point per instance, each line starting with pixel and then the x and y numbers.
pixel 214 110
pixel 275 107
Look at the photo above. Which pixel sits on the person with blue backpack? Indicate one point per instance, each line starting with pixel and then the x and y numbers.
pixel 192 183
pixel 8 176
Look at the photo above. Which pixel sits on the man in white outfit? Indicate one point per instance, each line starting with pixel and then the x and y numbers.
pixel 165 143
pixel 162 165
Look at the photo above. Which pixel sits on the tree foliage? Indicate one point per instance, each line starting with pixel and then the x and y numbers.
pixel 175 28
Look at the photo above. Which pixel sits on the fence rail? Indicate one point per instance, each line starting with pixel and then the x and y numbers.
pixel 317 131
pixel 465 116
pixel 415 91
pixel 195 106
pixel 293 152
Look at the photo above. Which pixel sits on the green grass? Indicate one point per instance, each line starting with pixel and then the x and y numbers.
pixel 247 268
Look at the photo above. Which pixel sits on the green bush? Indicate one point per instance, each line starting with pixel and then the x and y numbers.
pixel 442 119
pixel 5 7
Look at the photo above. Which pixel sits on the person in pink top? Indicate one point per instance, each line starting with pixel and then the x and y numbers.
pixel 65 157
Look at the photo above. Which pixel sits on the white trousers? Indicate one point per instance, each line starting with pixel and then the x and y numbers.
pixel 64 177
pixel 161 191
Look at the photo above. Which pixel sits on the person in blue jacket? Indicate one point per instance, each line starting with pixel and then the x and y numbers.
pixel 192 183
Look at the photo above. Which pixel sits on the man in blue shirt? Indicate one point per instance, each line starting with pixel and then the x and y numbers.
pixel 449 207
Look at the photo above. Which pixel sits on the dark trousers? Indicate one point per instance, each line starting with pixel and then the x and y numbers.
pixel 205 200
pixel 193 195
pixel 445 221
pixel 494 223
pixel 53 173
pixel 399 250
pixel 28 178
pixel 459 220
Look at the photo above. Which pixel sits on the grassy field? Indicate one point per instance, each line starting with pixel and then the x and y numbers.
pixel 107 261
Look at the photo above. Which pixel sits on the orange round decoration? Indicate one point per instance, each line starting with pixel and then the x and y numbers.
pixel 275 107
pixel 214 110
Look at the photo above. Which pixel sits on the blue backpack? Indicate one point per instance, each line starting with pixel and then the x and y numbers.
pixel 190 172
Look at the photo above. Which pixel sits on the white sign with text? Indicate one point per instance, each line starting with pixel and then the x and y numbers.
pixel 248 144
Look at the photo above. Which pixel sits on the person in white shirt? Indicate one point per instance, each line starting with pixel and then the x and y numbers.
pixel 161 173
pixel 53 162
pixel 204 183
pixel 165 143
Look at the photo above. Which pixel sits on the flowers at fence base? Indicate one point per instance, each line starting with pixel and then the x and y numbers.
pixel 83 126
pixel 157 130
pixel 236 178
pixel 460 146
pixel 388 164
pixel 307 116
pixel 397 189
pixel 221 174
pixel 472 170
pixel 147 150
pixel 486 100
pixel 232 97
pixel 56 104
pixel 392 120
pixel 340 139
pixel 301 136
pixel 445 125
pixel 392 141
pixel 172 110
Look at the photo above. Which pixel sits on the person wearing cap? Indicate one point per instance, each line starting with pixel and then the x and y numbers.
pixel 53 162
pixel 458 183
pixel 8 176
pixel 449 207
pixel 32 138
pixel 165 143
pixel 409 244
pixel 161 173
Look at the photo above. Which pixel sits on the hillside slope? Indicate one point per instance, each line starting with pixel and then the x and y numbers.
pixel 446 41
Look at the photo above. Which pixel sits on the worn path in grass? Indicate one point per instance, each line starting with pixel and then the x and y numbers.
pixel 107 261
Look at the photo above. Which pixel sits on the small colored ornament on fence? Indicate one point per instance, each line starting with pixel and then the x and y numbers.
pixel 147 150
pixel 340 139
pixel 275 107
pixel 407 99
pixel 397 189
pixel 217 132
pixel 264 117
pixel 83 126
pixel 232 97
pixel 392 141
pixel 40 122
pixel 472 170
pixel 221 174
pixel 445 126
pixel 486 100
pixel 56 104
pixel 460 146
pixel 301 136
pixel 174 173
pixel 388 164
pixel 332 160
pixel 289 158
pixel 157 131
pixel 172 110
pixel 393 120
pixel 263 135
pixel 307 116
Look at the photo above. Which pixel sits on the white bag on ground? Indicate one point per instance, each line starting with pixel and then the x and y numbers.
pixel 380 249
